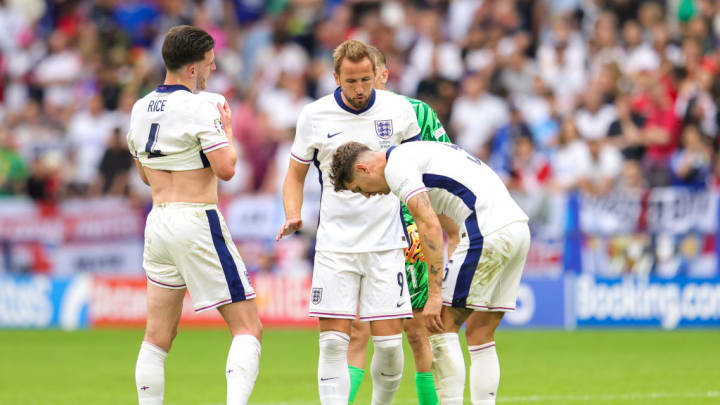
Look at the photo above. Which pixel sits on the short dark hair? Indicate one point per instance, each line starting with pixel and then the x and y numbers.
pixel 343 163
pixel 185 44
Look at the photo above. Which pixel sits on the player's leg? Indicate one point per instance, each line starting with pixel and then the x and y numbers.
pixel 357 353
pixel 448 362
pixel 498 276
pixel 164 307
pixel 333 374
pixel 217 278
pixel 388 359
pixel 484 364
pixel 417 337
pixel 243 359
pixel 334 300
pixel 385 302
pixel 415 331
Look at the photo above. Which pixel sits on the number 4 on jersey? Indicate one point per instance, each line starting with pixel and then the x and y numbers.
pixel 152 141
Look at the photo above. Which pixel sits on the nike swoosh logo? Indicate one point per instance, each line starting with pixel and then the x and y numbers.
pixel 399 304
pixel 335 134
pixel 328 379
pixel 388 375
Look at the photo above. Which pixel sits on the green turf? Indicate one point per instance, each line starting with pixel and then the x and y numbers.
pixel 538 367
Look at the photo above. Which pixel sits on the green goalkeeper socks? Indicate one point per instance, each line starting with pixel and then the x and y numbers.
pixel 425 389
pixel 356 376
pixel 423 383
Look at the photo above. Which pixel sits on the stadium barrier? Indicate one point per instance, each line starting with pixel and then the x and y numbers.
pixel 565 302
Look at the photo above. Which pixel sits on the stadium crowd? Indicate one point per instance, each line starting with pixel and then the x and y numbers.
pixel 556 95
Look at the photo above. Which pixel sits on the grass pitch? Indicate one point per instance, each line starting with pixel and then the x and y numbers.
pixel 537 367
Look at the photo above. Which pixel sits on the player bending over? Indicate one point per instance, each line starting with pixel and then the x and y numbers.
pixel 359 260
pixel 416 270
pixel 481 279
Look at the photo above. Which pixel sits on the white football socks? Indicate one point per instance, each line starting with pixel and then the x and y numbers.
pixel 484 374
pixel 448 368
pixel 150 374
pixel 333 374
pixel 386 368
pixel 241 369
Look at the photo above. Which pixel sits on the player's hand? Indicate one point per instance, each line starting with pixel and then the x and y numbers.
pixel 289 227
pixel 432 314
pixel 225 115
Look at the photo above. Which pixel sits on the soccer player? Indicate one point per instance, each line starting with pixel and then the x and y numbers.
pixel 359 259
pixel 481 279
pixel 431 129
pixel 182 141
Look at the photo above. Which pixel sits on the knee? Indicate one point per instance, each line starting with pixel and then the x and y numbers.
pixel 360 331
pixel 389 348
pixel 416 338
pixel 480 335
pixel 161 338
pixel 334 344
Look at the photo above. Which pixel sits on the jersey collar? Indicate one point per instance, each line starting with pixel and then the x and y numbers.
pixel 341 103
pixel 169 88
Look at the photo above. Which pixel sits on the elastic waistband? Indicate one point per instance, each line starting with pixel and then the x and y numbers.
pixel 183 205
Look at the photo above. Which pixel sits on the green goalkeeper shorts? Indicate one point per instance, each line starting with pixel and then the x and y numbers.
pixel 417 277
pixel 415 267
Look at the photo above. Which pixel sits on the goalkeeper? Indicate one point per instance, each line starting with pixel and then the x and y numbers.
pixel 430 130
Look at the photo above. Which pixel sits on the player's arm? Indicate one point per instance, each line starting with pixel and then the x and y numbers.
pixel 453 233
pixel 223 160
pixel 293 185
pixel 133 153
pixel 293 197
pixel 431 240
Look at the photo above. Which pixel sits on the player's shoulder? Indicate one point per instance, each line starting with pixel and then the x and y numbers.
pixel 417 103
pixel 390 97
pixel 323 104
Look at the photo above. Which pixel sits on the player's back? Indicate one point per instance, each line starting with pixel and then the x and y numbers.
pixel 455 180
pixel 171 129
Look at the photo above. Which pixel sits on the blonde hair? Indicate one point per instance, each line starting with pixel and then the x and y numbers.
pixel 378 56
pixel 353 50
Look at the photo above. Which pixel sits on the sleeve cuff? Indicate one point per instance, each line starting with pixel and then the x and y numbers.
pixel 413 139
pixel 414 193
pixel 300 160
pixel 215 146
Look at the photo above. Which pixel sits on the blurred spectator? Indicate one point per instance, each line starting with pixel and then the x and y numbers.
pixel 571 161
pixel 13 171
pixel 691 165
pixel 605 167
pixel 89 131
pixel 114 166
pixel 595 117
pixel 530 171
pixel 472 133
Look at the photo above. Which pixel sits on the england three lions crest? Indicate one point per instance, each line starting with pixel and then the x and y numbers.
pixel 384 128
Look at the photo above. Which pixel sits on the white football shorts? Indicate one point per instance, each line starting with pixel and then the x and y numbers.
pixel 189 246
pixel 369 284
pixel 484 272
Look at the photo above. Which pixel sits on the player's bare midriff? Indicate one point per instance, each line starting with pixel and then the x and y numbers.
pixel 190 186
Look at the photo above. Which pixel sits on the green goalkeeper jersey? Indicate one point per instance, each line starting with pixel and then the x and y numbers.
pixel 431 129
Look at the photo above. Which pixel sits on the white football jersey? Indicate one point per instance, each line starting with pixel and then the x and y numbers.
pixel 172 128
pixel 459 185
pixel 349 222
